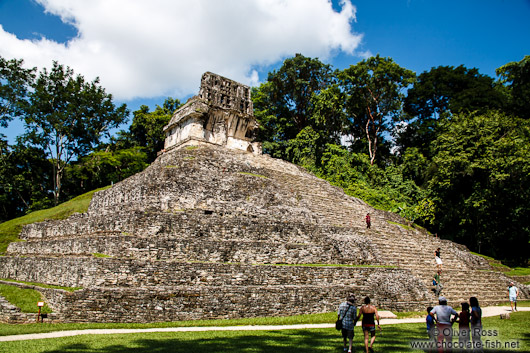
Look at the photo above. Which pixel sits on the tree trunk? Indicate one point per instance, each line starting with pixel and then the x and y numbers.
pixel 372 145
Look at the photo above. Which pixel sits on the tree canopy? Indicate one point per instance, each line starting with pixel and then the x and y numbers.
pixel 285 104
pixel 147 128
pixel 481 182
pixel 459 163
pixel 515 76
pixel 375 90
pixel 14 81
pixel 67 117
pixel 441 92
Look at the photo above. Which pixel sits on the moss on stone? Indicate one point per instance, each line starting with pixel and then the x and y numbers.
pixel 96 254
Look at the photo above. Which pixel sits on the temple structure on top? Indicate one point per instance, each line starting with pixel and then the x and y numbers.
pixel 221 114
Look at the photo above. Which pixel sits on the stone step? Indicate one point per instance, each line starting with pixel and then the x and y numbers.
pixel 90 272
pixel 190 249
pixel 177 303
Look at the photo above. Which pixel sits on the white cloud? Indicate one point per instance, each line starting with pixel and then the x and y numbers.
pixel 161 47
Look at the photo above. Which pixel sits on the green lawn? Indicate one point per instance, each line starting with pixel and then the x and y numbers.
pixel 10 230
pixel 8 329
pixel 43 285
pixel 519 271
pixel 25 299
pixel 520 303
pixel 393 339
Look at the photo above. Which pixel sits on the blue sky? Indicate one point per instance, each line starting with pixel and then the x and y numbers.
pixel 145 51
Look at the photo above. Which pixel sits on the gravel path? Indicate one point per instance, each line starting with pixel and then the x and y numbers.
pixel 486 312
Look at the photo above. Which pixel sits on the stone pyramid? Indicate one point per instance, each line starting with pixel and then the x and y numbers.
pixel 216 230
pixel 209 232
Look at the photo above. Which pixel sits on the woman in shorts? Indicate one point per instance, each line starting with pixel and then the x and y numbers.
pixel 369 315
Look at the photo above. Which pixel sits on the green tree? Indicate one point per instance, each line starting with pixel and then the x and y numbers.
pixel 102 168
pixel 147 128
pixel 14 81
pixel 439 93
pixel 304 149
pixel 24 185
pixel 382 188
pixel 285 104
pixel 67 117
pixel 480 183
pixel 329 116
pixel 515 76
pixel 375 92
pixel 414 165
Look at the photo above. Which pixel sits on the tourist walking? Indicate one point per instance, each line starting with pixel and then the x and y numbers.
pixel 369 315
pixel 442 315
pixel 438 259
pixel 368 221
pixel 463 327
pixel 513 293
pixel 348 315
pixel 431 325
pixel 476 324
pixel 437 281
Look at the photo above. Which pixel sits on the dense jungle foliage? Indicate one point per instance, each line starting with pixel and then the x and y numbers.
pixel 448 149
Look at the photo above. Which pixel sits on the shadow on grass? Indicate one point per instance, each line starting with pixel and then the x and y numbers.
pixel 274 341
pixel 393 339
pixel 289 341
pixel 525 338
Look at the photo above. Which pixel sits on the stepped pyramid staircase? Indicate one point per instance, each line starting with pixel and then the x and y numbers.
pixel 207 232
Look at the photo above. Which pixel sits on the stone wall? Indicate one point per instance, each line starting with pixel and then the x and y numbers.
pixel 107 272
pixel 164 248
pixel 222 92
pixel 179 236
pixel 205 224
pixel 224 185
pixel 147 291
pixel 191 303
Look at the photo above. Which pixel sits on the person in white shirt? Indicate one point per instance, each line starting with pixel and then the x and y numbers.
pixel 513 293
pixel 442 315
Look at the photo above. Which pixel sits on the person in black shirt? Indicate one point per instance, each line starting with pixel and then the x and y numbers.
pixel 368 313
